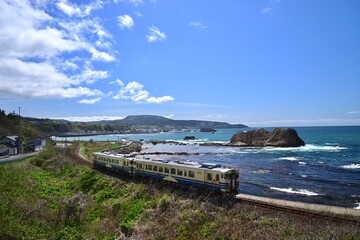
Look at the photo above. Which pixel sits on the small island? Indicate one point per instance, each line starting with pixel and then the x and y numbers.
pixel 262 138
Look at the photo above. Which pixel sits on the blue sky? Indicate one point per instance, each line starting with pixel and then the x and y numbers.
pixel 262 63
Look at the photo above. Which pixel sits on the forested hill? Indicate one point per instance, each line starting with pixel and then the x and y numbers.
pixel 158 121
pixel 12 124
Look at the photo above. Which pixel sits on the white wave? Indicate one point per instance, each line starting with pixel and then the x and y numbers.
pixel 302 163
pixel 261 171
pixel 298 191
pixel 303 176
pixel 307 148
pixel 357 207
pixel 352 166
pixel 289 158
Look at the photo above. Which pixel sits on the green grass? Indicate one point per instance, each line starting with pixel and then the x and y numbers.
pixel 71 202
pixel 88 148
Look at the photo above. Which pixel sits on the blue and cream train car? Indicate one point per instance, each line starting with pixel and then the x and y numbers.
pixel 204 175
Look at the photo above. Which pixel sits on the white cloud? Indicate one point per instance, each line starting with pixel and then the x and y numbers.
pixel 89 118
pixel 125 21
pixel 135 92
pixel 31 79
pixel 36 50
pixel 171 116
pixel 90 101
pixel 118 81
pixel 155 34
pixel 160 99
pixel 304 122
pixel 271 4
pixel 71 9
pixel 353 112
pixel 198 25
pixel 136 2
pixel 100 56
pixel 90 76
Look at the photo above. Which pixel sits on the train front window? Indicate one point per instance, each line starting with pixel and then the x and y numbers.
pixel 227 176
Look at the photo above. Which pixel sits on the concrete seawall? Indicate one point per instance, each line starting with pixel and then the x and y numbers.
pixel 300 205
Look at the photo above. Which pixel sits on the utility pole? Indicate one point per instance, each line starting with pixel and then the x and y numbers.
pixel 19 110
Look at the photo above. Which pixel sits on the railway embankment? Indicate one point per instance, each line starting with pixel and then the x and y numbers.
pixel 51 196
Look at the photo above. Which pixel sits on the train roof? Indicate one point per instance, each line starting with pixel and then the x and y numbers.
pixel 182 163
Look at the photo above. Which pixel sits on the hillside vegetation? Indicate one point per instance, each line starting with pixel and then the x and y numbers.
pixel 12 124
pixel 50 197
pixel 158 121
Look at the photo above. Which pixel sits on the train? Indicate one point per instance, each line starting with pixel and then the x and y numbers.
pixel 203 175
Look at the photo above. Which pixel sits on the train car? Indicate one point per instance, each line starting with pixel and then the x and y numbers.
pixel 206 175
pixel 116 162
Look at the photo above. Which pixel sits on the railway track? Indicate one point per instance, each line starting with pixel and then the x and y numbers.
pixel 302 212
pixel 74 153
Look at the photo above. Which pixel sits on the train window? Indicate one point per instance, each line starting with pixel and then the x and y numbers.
pixel 227 176
pixel 185 173
pixel 155 168
pixel 209 176
pixel 161 169
pixel 166 170
pixel 222 175
pixel 179 172
pixel 173 171
pixel 217 177
pixel 191 174
pixel 149 167
pixel 140 165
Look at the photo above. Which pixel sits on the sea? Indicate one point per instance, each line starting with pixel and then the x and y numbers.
pixel 324 171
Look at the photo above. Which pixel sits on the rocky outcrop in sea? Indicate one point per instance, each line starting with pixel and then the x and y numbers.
pixel 262 138
pixel 134 146
pixel 189 138
pixel 207 130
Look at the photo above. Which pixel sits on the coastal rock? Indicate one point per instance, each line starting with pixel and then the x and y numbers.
pixel 189 138
pixel 134 146
pixel 207 130
pixel 261 138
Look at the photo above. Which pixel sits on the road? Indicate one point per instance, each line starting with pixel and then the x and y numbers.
pixel 17 157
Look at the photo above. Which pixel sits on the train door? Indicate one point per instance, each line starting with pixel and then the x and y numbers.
pixel 131 166
pixel 234 179
pixel 208 177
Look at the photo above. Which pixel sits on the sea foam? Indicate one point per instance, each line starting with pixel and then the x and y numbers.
pixel 352 166
pixel 295 191
pixel 357 207
pixel 307 148
pixel 288 158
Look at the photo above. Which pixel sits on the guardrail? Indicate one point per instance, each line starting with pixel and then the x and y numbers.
pixel 16 158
